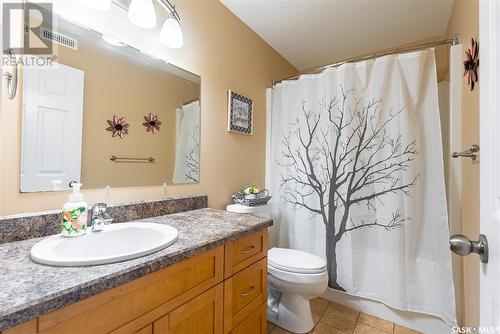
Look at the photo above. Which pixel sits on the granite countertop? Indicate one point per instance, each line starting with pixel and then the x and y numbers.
pixel 28 289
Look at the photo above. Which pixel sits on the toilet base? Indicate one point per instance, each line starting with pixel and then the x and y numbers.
pixel 294 314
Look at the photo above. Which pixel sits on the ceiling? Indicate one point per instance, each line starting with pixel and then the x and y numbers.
pixel 310 33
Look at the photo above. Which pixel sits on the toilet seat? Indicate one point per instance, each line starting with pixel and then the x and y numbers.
pixel 295 261
pixel 297 278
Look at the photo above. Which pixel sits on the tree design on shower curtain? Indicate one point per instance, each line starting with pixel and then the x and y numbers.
pixel 192 158
pixel 352 160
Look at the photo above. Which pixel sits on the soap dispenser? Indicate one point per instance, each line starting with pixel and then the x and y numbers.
pixel 74 215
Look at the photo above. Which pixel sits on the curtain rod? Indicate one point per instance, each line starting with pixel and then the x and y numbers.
pixel 452 41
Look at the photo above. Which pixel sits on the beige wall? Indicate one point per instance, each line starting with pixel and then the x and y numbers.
pixel 227 55
pixel 115 86
pixel 465 21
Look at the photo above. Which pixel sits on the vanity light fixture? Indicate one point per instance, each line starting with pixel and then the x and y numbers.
pixel 142 13
pixel 98 4
pixel 171 33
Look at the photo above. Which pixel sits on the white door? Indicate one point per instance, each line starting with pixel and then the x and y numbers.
pixel 489 28
pixel 51 127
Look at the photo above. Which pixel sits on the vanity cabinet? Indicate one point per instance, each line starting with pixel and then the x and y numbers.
pixel 223 290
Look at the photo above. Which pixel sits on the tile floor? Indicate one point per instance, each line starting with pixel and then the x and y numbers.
pixel 332 318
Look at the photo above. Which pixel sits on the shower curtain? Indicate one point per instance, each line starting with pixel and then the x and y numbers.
pixel 356 174
pixel 187 144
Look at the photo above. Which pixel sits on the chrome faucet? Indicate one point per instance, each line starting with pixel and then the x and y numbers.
pixel 99 217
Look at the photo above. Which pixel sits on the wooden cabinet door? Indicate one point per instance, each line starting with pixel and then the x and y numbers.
pixel 256 323
pixel 201 315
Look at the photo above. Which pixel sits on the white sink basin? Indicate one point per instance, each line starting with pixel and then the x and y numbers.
pixel 117 242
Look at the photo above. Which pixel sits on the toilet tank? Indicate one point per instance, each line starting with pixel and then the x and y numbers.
pixel 261 210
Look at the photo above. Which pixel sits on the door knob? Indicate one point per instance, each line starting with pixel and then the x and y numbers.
pixel 461 245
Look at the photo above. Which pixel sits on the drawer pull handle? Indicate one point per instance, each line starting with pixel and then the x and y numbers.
pixel 248 292
pixel 247 250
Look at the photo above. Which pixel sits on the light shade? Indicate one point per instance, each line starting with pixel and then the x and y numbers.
pixel 171 33
pixel 98 4
pixel 142 13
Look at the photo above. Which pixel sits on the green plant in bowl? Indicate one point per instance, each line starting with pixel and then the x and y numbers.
pixel 252 190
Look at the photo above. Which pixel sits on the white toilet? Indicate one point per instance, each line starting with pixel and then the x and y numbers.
pixel 294 278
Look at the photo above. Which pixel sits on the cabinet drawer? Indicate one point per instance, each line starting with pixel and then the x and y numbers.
pixel 256 323
pixel 244 292
pixel 243 252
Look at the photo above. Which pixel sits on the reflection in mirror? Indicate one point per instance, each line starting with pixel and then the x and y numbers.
pixel 106 114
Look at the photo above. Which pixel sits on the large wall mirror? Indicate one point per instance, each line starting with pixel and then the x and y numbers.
pixel 96 85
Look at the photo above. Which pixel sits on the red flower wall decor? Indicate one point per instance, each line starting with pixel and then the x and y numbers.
pixel 152 123
pixel 118 126
pixel 471 63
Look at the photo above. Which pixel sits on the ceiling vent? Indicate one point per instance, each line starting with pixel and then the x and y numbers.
pixel 59 38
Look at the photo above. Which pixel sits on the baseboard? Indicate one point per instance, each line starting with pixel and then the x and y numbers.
pixel 421 322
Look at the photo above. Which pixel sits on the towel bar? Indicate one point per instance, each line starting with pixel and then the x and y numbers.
pixel 124 159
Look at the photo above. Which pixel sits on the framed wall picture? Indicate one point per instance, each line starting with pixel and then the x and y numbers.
pixel 240 114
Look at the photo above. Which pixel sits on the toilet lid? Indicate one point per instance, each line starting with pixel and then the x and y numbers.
pixel 295 261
